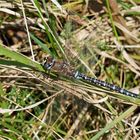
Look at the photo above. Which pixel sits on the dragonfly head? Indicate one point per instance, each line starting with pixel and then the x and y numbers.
pixel 48 63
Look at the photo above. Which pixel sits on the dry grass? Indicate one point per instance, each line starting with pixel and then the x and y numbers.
pixel 101 39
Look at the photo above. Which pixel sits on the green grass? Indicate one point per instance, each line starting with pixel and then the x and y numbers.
pixel 37 104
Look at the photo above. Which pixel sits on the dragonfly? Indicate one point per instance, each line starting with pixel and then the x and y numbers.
pixel 60 66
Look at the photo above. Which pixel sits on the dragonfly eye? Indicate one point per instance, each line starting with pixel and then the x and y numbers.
pixel 49 63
